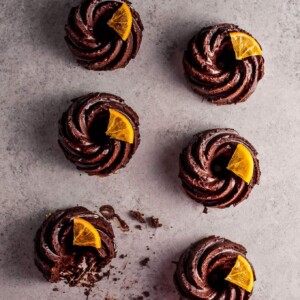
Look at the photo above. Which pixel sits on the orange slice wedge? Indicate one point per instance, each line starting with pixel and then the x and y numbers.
pixel 244 45
pixel 241 274
pixel 119 127
pixel 121 21
pixel 241 163
pixel 85 234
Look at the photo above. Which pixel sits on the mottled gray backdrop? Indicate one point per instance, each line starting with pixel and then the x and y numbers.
pixel 39 77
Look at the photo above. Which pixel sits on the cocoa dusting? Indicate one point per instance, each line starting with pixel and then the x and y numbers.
pixel 154 222
pixel 137 216
pixel 144 262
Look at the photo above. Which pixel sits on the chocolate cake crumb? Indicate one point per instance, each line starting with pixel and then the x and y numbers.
pixel 205 211
pixel 137 216
pixel 144 262
pixel 146 294
pixel 108 212
pixel 87 293
pixel 154 222
pixel 122 224
pixel 106 274
pixel 55 289
pixel 122 256
pixel 138 298
pixel 139 227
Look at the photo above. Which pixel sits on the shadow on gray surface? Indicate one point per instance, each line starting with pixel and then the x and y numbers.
pixel 19 259
pixel 35 132
pixel 174 45
pixel 167 165
pixel 51 18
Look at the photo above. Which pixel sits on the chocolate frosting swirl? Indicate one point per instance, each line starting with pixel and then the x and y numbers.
pixel 212 70
pixel 203 168
pixel 82 134
pixel 202 268
pixel 58 259
pixel 95 45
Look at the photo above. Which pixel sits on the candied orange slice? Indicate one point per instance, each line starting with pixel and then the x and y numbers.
pixel 119 127
pixel 241 163
pixel 244 45
pixel 121 21
pixel 241 274
pixel 85 234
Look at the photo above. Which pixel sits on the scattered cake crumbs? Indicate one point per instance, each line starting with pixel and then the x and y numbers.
pixel 55 289
pixel 122 256
pixel 144 262
pixel 146 294
pixel 87 293
pixel 205 211
pixel 108 212
pixel 137 216
pixel 154 222
pixel 139 227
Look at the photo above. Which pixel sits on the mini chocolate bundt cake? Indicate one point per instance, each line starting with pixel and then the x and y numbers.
pixel 213 71
pixel 203 169
pixel 83 139
pixel 94 44
pixel 58 259
pixel 203 267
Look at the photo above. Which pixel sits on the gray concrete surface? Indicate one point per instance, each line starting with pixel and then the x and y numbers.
pixel 39 77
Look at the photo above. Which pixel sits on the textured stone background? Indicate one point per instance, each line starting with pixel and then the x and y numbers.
pixel 39 77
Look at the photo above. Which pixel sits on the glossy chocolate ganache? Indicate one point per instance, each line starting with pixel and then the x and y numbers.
pixel 95 45
pixel 82 134
pixel 212 70
pixel 58 259
pixel 203 267
pixel 203 168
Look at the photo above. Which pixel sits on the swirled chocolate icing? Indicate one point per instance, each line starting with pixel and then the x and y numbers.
pixel 82 134
pixel 203 267
pixel 95 45
pixel 203 168
pixel 212 70
pixel 58 259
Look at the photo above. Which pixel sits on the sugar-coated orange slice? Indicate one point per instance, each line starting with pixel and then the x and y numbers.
pixel 241 163
pixel 119 127
pixel 121 21
pixel 85 234
pixel 244 45
pixel 241 274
